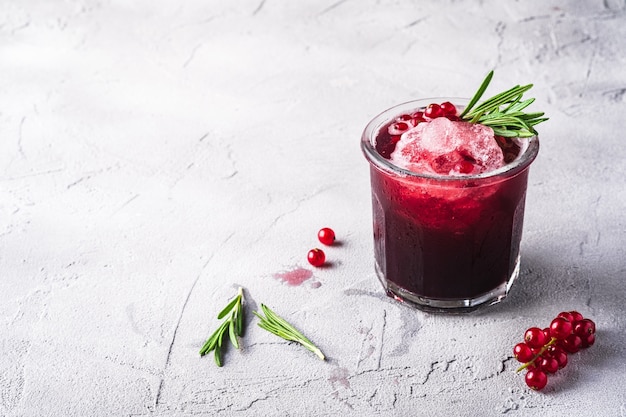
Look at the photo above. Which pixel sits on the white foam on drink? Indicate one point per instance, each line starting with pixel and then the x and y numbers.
pixel 447 147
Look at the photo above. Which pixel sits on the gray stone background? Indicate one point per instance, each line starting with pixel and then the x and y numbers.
pixel 156 155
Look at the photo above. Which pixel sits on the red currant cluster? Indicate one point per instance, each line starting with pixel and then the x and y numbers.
pixel 544 351
pixel 316 257
pixel 406 122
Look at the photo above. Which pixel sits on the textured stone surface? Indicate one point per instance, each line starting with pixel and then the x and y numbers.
pixel 156 155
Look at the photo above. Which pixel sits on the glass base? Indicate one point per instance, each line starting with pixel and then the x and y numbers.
pixel 455 305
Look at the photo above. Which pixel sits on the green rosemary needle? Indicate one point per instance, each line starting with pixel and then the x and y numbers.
pixel 503 112
pixel 281 328
pixel 233 324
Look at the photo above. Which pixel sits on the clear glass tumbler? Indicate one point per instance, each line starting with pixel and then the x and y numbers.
pixel 446 243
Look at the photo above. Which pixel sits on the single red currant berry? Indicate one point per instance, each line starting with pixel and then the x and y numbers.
pixel 561 358
pixel 418 115
pixel 531 367
pixel 588 340
pixel 558 354
pixel 417 121
pixel 448 109
pixel 576 316
pixel 433 111
pixel 523 352
pixel 535 338
pixel 584 327
pixel 536 379
pixel 548 364
pixel 326 236
pixel 316 257
pixel 398 128
pixel 593 325
pixel 571 343
pixel 546 332
pixel 566 315
pixel 403 118
pixel 560 328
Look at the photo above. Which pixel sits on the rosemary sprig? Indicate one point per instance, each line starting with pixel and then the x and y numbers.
pixel 233 324
pixel 277 325
pixel 503 112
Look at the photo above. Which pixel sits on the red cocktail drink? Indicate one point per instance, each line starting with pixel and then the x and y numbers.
pixel 447 222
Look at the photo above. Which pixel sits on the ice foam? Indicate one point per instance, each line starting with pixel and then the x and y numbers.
pixel 446 147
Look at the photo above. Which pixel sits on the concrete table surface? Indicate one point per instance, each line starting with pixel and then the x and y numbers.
pixel 158 155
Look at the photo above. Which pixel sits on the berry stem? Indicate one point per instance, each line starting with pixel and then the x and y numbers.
pixel 541 352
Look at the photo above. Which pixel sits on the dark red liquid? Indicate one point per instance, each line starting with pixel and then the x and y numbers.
pixel 447 239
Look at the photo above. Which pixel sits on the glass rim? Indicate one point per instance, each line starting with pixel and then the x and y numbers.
pixel 369 150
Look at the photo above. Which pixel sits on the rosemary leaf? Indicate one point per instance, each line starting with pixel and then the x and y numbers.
pixel 232 334
pixel 503 98
pixel 228 308
pixel 217 357
pixel 530 116
pixel 520 105
pixel 212 341
pixel 281 328
pixel 233 324
pixel 239 323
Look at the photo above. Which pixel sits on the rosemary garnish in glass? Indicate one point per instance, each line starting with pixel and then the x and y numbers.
pixel 503 112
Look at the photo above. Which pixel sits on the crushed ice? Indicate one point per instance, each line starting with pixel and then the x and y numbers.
pixel 448 147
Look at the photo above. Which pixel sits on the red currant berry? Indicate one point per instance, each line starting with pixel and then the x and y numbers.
pixel 523 352
pixel 535 338
pixel 403 118
pixel 417 121
pixel 548 364
pixel 536 351
pixel 584 328
pixel 448 109
pixel 588 340
pixel 558 354
pixel 433 111
pixel 571 343
pixel 418 115
pixel 531 367
pixel 536 379
pixel 576 316
pixel 566 315
pixel 316 257
pixel 326 236
pixel 398 128
pixel 546 332
pixel 560 328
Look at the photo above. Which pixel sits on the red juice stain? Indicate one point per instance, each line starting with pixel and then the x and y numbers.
pixel 295 277
pixel 339 376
